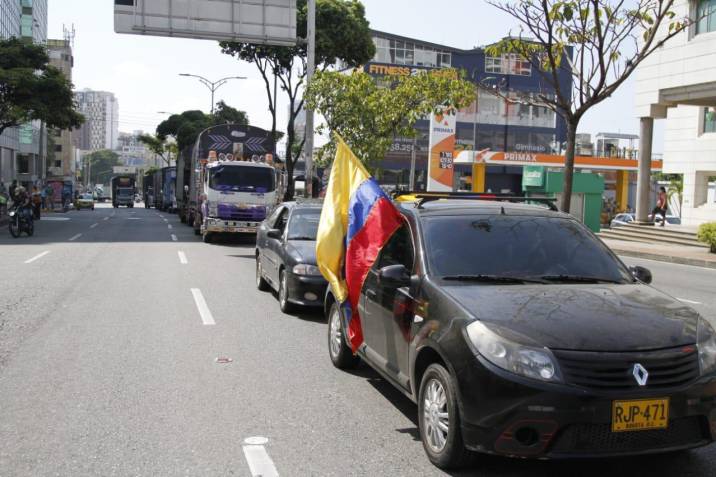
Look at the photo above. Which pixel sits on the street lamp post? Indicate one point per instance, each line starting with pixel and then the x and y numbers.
pixel 213 85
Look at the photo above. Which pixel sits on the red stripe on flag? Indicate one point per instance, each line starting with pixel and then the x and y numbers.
pixel 362 251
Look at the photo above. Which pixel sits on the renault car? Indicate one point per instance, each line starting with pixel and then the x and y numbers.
pixel 519 333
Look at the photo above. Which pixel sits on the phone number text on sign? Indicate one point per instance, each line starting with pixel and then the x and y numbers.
pixel 446 160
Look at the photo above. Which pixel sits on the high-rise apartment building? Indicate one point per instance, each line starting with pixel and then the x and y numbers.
pixel 61 152
pixel 101 128
pixel 10 15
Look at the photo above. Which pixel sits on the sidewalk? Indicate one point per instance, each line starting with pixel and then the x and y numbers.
pixel 699 257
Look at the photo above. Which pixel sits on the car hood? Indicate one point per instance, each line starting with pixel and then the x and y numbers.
pixel 303 251
pixel 583 317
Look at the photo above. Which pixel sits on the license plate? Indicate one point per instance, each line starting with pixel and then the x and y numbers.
pixel 640 415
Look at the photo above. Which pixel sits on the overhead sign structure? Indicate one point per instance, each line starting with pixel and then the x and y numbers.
pixel 442 150
pixel 265 22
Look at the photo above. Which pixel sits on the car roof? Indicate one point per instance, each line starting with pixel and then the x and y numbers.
pixel 304 204
pixel 477 207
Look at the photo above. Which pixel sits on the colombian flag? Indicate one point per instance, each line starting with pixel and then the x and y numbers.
pixel 357 219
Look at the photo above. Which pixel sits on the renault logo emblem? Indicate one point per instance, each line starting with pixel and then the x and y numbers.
pixel 640 374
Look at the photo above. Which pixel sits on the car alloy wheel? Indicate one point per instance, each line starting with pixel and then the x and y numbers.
pixel 283 302
pixel 341 355
pixel 436 417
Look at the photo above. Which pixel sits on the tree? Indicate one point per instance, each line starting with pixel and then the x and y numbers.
pixel 368 116
pixel 160 146
pixel 185 127
pixel 101 164
pixel 31 89
pixel 600 43
pixel 342 34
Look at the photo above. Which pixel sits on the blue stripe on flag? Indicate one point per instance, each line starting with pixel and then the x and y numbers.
pixel 361 203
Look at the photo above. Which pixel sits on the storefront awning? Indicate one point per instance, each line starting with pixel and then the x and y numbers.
pixel 550 160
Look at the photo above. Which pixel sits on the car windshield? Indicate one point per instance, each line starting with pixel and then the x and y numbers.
pixel 242 179
pixel 518 247
pixel 304 224
pixel 88 196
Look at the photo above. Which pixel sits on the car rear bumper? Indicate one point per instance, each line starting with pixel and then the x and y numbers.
pixel 306 290
pixel 511 416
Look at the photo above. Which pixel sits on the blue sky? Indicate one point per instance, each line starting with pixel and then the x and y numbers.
pixel 143 71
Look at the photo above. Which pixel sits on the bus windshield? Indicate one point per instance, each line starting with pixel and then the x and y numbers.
pixel 242 179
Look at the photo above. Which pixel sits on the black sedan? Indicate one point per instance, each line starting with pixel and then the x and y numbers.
pixel 286 255
pixel 517 332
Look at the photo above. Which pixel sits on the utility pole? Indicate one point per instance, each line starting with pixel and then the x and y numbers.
pixel 311 67
pixel 413 155
pixel 213 85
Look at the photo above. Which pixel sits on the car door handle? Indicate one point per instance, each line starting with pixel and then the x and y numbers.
pixel 371 294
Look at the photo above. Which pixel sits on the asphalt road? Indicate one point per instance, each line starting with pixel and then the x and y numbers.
pixel 108 366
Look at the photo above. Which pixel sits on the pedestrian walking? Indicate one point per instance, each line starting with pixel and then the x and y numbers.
pixel 661 206
pixel 49 197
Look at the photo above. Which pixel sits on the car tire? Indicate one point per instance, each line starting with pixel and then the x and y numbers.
pixel 283 303
pixel 340 353
pixel 445 449
pixel 261 283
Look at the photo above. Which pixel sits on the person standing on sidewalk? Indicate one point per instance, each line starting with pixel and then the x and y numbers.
pixel 661 206
pixel 36 203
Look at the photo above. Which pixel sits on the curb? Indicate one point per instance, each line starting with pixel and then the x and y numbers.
pixel 666 258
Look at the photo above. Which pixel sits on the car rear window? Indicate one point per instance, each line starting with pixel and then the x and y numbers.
pixel 521 246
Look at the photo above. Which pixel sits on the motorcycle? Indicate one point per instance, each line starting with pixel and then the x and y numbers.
pixel 20 222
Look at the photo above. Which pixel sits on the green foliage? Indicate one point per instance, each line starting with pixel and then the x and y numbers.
pixel 707 234
pixel 369 116
pixel 599 42
pixel 342 34
pixel 187 126
pixel 31 89
pixel 160 146
pixel 101 163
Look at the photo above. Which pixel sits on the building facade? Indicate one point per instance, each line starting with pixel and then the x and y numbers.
pixel 61 151
pixel 23 149
pixel 101 128
pixel 678 83
pixel 490 123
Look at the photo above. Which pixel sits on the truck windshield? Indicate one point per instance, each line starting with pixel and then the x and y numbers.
pixel 242 179
pixel 124 192
pixel 520 247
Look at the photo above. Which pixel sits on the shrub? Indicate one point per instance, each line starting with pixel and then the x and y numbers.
pixel 707 234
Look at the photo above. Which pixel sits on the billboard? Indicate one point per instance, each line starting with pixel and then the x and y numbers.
pixel 267 22
pixel 442 151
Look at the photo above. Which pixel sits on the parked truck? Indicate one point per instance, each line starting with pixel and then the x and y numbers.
pixel 168 195
pixel 218 190
pixel 123 190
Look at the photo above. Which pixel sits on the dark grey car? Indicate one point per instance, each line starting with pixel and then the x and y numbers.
pixel 286 255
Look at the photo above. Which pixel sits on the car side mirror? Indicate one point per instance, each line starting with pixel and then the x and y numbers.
pixel 274 234
pixel 642 274
pixel 394 276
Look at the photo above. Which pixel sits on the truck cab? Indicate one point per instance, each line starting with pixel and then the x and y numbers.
pixel 236 197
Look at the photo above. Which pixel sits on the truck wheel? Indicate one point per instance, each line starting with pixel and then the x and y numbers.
pixel 341 355
pixel 207 237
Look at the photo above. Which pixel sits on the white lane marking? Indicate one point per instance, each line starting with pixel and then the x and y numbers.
pixel 260 464
pixel 37 257
pixel 54 219
pixel 75 237
pixel 689 301
pixel 93 226
pixel 106 218
pixel 174 238
pixel 206 317
pixel 182 258
pixel 161 216
pixel 170 226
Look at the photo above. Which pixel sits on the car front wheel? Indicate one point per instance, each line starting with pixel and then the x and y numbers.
pixel 439 419
pixel 261 283
pixel 341 355
pixel 285 305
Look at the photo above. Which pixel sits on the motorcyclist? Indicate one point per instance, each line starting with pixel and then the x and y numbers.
pixel 21 200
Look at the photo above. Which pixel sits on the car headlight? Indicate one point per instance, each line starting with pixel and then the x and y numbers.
pixel 305 269
pixel 706 344
pixel 528 361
